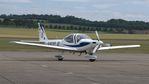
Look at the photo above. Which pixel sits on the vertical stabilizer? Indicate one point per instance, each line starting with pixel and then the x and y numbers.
pixel 42 33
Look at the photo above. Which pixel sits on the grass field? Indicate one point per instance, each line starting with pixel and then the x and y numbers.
pixel 33 33
pixel 9 34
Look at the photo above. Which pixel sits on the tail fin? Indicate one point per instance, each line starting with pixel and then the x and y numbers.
pixel 42 33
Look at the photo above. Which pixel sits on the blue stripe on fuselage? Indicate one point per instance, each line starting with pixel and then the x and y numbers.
pixel 79 45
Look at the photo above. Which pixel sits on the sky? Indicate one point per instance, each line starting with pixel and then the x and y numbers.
pixel 95 10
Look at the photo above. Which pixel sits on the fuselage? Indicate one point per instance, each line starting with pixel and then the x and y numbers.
pixel 81 42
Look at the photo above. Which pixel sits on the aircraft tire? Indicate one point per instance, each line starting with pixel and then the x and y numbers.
pixel 60 59
pixel 92 60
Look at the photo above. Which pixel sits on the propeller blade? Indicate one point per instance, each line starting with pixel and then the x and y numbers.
pixel 100 42
pixel 97 35
pixel 96 48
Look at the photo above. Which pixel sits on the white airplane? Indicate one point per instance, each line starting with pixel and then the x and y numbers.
pixel 75 42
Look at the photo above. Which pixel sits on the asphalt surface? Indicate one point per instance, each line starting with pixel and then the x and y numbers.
pixel 43 68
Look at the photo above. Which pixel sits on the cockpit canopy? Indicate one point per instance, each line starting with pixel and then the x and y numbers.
pixel 75 38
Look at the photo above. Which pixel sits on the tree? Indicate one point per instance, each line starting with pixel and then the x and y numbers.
pixel 50 26
pixel 55 26
pixel 31 20
pixel 6 21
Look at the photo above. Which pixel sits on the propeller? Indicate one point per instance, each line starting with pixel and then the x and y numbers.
pixel 95 49
pixel 100 42
pixel 97 35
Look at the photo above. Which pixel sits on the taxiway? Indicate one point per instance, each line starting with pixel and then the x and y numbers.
pixel 43 68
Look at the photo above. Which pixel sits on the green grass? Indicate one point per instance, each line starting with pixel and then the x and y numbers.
pixel 5 45
pixel 11 34
pixel 33 33
pixel 143 49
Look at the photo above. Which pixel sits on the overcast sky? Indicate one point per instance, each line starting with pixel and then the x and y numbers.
pixel 100 10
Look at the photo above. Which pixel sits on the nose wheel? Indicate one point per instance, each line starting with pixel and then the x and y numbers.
pixel 92 60
pixel 92 57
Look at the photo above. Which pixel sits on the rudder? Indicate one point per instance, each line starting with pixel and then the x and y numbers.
pixel 42 33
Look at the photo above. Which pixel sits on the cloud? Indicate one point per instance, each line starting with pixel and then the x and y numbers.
pixel 103 6
pixel 88 9
pixel 119 15
pixel 15 1
pixel 140 2
pixel 72 0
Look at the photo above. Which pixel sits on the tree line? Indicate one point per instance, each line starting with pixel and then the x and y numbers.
pixel 72 23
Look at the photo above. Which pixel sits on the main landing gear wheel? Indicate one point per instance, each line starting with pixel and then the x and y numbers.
pixel 92 60
pixel 60 58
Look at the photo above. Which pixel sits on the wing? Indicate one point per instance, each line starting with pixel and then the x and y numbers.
pixel 47 46
pixel 118 47
pixel 30 41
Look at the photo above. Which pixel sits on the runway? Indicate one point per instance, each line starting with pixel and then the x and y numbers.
pixel 42 68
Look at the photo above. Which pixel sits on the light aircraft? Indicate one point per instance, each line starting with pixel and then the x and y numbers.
pixel 75 42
